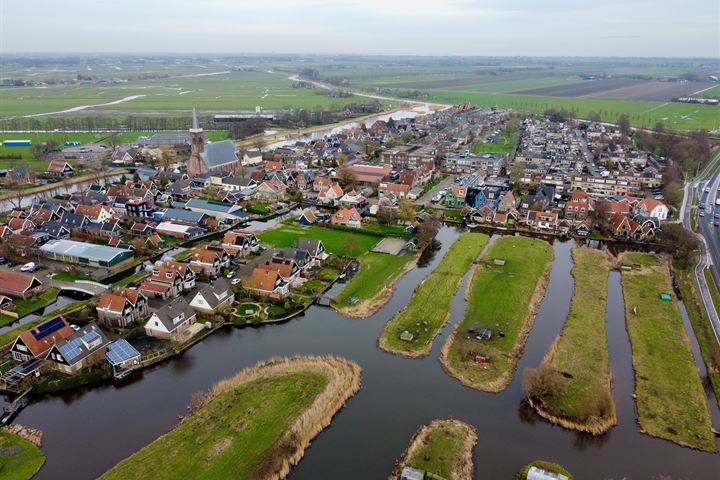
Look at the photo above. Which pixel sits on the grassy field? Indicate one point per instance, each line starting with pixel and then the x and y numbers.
pixel 228 437
pixel 581 350
pixel 429 307
pixel 504 145
pixel 335 241
pixel 713 92
pixel 19 459
pixel 227 91
pixel 444 448
pixel 503 298
pixel 679 116
pixel 670 398
pixel 376 271
pixel 23 307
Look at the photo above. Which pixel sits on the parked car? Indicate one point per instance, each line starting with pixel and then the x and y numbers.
pixel 11 264
pixel 231 274
pixel 235 281
pixel 28 267
pixel 3 261
pixel 702 213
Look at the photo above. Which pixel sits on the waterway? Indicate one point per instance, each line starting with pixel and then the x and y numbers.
pixel 88 431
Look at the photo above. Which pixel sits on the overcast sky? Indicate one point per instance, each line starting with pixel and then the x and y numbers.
pixel 668 28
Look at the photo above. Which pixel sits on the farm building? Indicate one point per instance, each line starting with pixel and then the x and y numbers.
pixel 18 285
pixel 86 253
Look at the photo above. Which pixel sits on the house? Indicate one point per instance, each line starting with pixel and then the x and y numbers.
pixel 172 321
pixel 18 285
pixel 578 207
pixel 307 218
pixel 347 216
pixel 266 282
pixel 241 243
pixel 455 197
pixel 620 225
pixel 252 157
pixel 138 207
pixel 141 230
pixel 178 277
pixel 71 221
pixel 287 268
pixel 222 211
pixel 37 341
pixel 184 217
pixel 95 213
pixel 210 262
pixel 651 207
pixel 398 190
pixel 582 229
pixel 82 349
pixel 60 168
pixel 213 296
pixel 321 183
pixel 315 248
pixel 54 229
pixel 273 189
pixel 121 307
pixel 21 225
pixel 542 220
pixel 330 195
pixel 21 175
pixel 175 230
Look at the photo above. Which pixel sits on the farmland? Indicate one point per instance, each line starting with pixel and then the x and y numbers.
pixel 670 398
pixel 339 242
pixel 227 91
pixel 502 297
pixel 586 404
pixel 430 303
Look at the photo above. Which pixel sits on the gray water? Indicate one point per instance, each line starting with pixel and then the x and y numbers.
pixel 88 431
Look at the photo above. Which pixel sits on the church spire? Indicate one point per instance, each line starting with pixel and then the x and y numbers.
pixel 195 125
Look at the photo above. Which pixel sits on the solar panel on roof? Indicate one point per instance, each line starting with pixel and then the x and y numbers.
pixel 120 351
pixel 45 329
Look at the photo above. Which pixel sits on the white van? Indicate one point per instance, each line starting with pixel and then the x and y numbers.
pixel 28 267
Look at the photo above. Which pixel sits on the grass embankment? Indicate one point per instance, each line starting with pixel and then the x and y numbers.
pixel 580 356
pixel 547 466
pixel 372 285
pixel 24 307
pixel 429 307
pixel 670 399
pixel 709 348
pixel 19 458
pixel 502 298
pixel 339 242
pixel 444 448
pixel 255 424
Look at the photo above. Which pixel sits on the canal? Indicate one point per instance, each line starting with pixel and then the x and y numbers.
pixel 87 432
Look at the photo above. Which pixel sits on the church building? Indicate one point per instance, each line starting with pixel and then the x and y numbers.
pixel 213 157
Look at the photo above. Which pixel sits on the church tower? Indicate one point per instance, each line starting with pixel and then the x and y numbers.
pixel 195 164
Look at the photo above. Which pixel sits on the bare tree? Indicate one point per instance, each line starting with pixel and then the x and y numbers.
pixel 426 232
pixel 387 215
pixel 407 210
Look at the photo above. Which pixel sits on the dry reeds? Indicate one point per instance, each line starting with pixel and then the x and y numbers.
pixel 343 381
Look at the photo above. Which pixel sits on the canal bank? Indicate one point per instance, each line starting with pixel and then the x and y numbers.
pixel 110 422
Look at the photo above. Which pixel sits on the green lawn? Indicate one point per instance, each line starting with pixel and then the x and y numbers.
pixel 19 459
pixel 335 241
pixel 27 152
pixel 258 208
pixel 670 398
pixel 442 447
pixel 376 271
pixel 23 307
pixel 67 277
pixel 504 144
pixel 230 436
pixel 586 362
pixel 501 298
pixel 429 307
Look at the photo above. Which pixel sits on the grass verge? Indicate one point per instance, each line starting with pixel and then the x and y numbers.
pixel 443 448
pixel 256 424
pixel 19 458
pixel 670 398
pixel 429 307
pixel 584 401
pixel 505 298
pixel 709 348
pixel 372 285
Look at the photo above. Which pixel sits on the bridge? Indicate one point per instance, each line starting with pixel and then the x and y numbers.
pixel 84 286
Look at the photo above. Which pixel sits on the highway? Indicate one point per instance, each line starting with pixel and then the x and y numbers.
pixel 706 186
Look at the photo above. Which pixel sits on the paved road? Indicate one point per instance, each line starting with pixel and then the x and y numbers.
pixel 706 187
pixel 427 197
